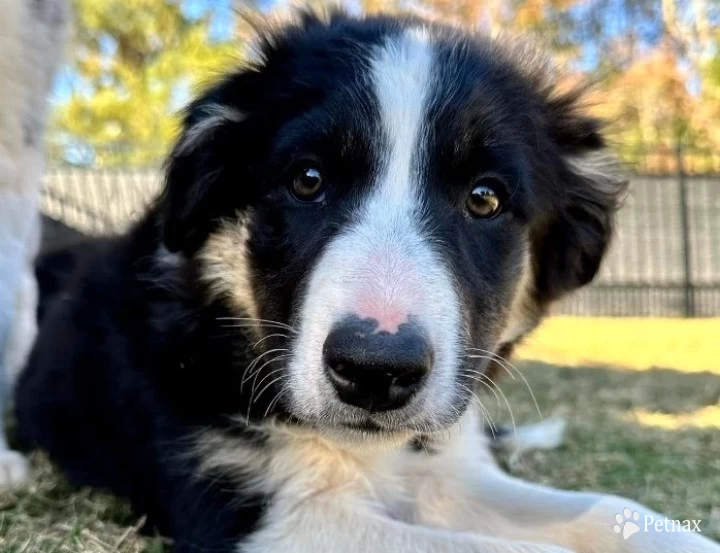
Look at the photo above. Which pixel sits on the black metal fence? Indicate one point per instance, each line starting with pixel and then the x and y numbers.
pixel 665 260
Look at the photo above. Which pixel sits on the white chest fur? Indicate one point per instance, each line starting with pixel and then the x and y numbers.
pixel 293 464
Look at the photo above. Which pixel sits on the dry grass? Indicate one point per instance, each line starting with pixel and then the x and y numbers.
pixel 643 401
pixel 53 517
pixel 653 436
pixel 648 433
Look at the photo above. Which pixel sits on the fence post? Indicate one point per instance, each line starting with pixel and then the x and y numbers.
pixel 685 229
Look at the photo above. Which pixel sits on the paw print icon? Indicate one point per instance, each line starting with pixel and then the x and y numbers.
pixel 627 523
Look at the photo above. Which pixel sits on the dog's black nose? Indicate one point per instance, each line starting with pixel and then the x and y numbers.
pixel 376 370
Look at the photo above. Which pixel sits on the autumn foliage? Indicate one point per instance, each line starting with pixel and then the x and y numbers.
pixel 655 65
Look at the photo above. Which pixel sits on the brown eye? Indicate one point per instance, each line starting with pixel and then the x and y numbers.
pixel 484 202
pixel 308 186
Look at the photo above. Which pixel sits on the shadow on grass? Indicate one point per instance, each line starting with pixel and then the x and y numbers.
pixel 608 448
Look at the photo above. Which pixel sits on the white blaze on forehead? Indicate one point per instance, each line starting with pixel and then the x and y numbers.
pixel 382 265
pixel 387 232
pixel 401 72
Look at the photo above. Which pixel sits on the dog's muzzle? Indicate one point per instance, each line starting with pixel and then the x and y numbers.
pixel 373 369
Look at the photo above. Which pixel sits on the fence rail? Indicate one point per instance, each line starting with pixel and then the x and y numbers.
pixel 664 261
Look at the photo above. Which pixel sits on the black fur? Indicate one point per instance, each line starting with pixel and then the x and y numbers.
pixel 134 358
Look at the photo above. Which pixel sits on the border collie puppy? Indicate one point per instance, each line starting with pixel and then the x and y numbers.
pixel 281 356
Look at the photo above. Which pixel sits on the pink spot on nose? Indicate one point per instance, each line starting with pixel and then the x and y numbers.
pixel 389 290
pixel 388 318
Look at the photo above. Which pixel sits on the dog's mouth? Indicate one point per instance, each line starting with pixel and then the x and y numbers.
pixel 436 406
pixel 364 428
pixel 367 425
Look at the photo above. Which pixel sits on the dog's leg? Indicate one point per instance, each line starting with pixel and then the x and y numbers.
pixel 586 522
pixel 341 525
pixel 461 488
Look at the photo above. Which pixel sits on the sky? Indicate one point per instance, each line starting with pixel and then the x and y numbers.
pixel 220 29
pixel 617 21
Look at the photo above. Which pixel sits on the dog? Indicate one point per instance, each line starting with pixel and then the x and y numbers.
pixel 282 355
pixel 31 39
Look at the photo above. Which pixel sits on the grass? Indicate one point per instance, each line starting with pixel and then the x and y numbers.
pixel 653 436
pixel 642 398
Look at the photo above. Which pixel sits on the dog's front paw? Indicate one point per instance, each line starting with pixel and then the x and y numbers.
pixel 13 469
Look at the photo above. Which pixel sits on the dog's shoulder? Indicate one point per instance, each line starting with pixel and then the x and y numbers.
pixel 114 393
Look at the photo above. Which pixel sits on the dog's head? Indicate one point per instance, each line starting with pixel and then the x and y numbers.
pixel 387 202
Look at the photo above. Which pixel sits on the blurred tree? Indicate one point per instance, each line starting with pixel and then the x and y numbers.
pixel 657 81
pixel 134 64
pixel 656 64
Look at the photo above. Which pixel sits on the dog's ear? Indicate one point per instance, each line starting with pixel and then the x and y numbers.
pixel 569 245
pixel 207 169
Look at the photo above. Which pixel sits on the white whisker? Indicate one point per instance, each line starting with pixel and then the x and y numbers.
pixel 505 399
pixel 479 377
pixel 264 378
pixel 486 413
pixel 494 357
pixel 256 372
pixel 274 335
pixel 268 386
pixel 259 321
pixel 274 402
pixel 505 364
pixel 254 362
pixel 254 325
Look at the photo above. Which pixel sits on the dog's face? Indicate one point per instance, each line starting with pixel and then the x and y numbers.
pixel 404 198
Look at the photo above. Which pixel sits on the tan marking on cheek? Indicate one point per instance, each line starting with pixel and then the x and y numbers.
pixel 523 314
pixel 226 267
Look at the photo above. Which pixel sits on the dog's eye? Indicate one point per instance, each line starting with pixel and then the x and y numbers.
pixel 308 186
pixel 483 201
